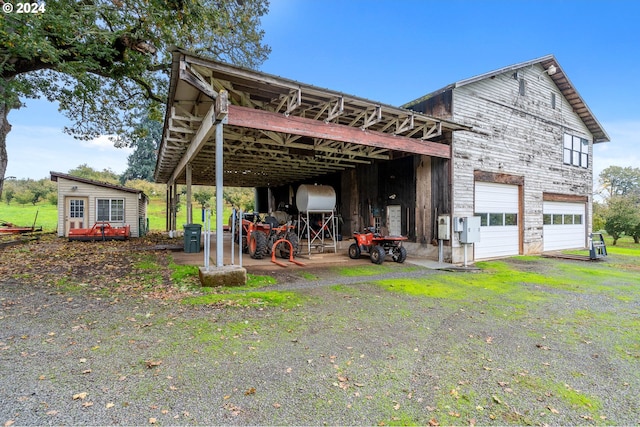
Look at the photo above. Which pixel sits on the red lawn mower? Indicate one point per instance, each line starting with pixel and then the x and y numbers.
pixel 378 246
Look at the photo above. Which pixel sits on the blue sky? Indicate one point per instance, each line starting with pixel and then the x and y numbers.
pixel 393 51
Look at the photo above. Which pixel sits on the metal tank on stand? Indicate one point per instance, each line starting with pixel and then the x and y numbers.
pixel 317 200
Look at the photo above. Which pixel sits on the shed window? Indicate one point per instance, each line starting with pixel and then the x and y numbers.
pixel 76 208
pixel 522 88
pixel 110 210
pixel 553 100
pixel 576 151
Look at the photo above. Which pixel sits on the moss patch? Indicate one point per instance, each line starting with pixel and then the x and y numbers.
pixel 248 299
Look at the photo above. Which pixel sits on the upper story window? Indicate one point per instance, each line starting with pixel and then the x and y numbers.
pixel 553 100
pixel 576 151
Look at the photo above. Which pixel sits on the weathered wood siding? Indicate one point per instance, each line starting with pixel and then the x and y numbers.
pixel 132 206
pixel 520 135
pixel 423 211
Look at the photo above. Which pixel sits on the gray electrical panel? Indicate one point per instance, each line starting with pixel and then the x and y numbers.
pixel 470 232
pixel 444 227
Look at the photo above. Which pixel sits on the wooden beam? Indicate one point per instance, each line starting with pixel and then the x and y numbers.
pixel 499 178
pixel 556 197
pixel 190 78
pixel 198 141
pixel 265 120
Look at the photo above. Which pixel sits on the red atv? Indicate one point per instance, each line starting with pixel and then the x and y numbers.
pixel 378 246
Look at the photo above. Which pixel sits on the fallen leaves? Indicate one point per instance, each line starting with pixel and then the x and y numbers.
pixel 234 409
pixel 80 396
pixel 97 266
pixel 153 363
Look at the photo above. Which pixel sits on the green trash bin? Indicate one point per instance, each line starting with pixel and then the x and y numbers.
pixel 192 234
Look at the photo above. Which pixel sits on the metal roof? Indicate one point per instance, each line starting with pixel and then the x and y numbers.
pixel 279 130
pixel 56 175
pixel 561 80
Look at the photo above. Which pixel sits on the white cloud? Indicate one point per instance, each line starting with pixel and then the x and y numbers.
pixel 104 143
pixel 34 151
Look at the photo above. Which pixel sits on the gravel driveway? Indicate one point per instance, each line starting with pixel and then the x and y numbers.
pixel 351 353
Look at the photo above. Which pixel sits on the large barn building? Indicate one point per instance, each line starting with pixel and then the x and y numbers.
pixel 512 147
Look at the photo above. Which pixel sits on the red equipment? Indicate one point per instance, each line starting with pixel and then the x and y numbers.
pixel 378 246
pixel 291 252
pixel 101 230
pixel 258 237
pixel 8 228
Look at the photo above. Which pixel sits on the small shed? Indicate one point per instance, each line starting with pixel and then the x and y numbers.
pixel 82 202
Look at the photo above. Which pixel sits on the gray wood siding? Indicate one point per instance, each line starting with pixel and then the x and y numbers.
pixel 517 135
pixel 132 205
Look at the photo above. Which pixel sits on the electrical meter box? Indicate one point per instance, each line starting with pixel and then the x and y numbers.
pixel 444 227
pixel 471 229
pixel 458 224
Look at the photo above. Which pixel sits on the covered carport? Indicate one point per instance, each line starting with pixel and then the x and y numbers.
pixel 230 126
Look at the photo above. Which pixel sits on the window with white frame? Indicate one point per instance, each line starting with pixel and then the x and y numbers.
pixel 76 208
pixel 576 151
pixel 110 210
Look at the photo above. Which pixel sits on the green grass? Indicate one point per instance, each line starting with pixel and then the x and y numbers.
pixel 496 278
pixel 363 270
pixel 285 300
pixel 244 296
pixel 157 213
pixel 48 215
pixel 24 215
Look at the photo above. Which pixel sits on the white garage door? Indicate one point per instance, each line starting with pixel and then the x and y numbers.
pixel 497 206
pixel 563 225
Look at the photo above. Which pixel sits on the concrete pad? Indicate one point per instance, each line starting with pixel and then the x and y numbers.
pixel 227 275
pixel 427 263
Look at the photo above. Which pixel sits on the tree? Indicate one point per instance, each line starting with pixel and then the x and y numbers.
pixel 40 189
pixel 8 195
pixel 619 181
pixel 622 217
pixel 203 196
pixel 145 141
pixel 239 197
pixel 24 197
pixel 622 211
pixel 106 61
pixel 86 171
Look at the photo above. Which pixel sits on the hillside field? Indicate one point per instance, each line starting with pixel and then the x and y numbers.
pixel 47 215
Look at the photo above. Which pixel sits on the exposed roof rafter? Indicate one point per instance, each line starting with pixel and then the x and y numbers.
pixel 279 130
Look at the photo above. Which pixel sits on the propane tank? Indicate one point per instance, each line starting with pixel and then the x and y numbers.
pixel 320 198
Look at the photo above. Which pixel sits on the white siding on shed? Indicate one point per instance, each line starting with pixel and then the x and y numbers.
pixel 564 225
pixel 498 202
pixel 133 208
